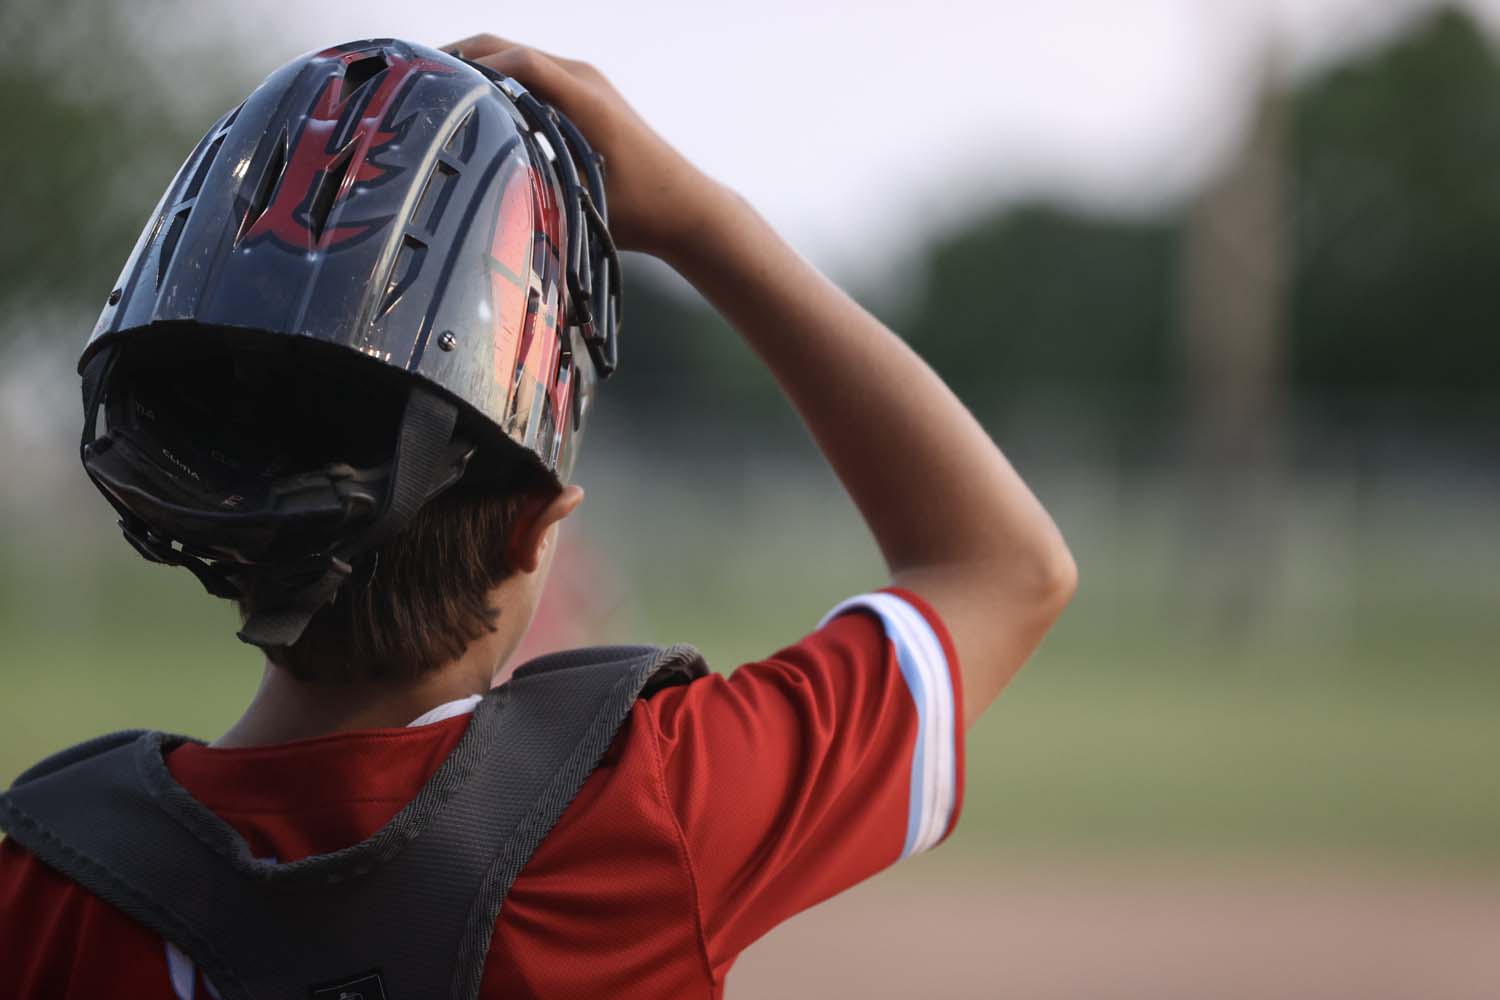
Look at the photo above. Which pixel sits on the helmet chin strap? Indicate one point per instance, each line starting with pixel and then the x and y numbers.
pixel 426 462
pixel 422 467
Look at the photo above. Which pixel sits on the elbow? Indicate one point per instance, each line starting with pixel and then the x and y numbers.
pixel 1034 584
pixel 1051 580
pixel 1059 578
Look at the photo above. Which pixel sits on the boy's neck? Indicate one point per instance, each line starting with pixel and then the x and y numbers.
pixel 286 709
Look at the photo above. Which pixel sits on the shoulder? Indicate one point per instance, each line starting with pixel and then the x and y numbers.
pixel 879 663
pixel 58 940
pixel 868 703
pixel 795 776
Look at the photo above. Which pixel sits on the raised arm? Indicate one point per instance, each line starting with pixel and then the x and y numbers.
pixel 954 521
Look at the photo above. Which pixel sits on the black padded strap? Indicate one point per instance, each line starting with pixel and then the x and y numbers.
pixel 418 467
pixel 417 901
pixel 547 686
pixel 422 465
pixel 282 624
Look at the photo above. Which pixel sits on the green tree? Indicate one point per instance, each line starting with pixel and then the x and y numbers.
pixel 1394 172
pixel 97 115
pixel 1397 170
pixel 1043 297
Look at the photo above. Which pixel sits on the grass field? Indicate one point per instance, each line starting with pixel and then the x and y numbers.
pixel 1373 738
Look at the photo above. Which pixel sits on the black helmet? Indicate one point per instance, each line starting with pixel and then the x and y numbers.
pixel 379 274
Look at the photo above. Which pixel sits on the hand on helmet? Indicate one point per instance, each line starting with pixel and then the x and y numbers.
pixel 656 197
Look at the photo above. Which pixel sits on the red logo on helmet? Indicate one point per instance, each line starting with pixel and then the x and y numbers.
pixel 526 300
pixel 334 150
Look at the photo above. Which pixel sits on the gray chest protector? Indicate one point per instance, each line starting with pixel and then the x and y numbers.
pixel 407 913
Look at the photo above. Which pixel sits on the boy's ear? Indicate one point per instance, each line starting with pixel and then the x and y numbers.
pixel 531 534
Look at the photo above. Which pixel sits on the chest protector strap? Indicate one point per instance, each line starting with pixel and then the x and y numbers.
pixel 407 913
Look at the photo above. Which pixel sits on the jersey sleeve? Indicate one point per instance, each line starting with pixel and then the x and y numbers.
pixel 797 776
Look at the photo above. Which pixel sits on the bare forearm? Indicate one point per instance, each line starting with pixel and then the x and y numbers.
pixel 950 515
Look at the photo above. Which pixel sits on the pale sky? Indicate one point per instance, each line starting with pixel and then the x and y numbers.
pixel 856 125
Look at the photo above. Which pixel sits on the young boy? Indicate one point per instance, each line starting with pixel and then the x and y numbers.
pixel 721 807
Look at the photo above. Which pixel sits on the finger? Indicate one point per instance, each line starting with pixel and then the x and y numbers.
pixel 477 47
pixel 480 47
pixel 537 72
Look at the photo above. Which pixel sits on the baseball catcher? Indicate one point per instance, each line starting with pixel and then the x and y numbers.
pixel 342 380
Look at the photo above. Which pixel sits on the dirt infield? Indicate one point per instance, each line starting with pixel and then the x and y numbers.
pixel 1154 931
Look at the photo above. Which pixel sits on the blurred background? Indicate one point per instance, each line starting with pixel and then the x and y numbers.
pixel 1221 278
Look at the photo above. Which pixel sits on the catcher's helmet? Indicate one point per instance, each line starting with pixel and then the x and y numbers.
pixel 388 269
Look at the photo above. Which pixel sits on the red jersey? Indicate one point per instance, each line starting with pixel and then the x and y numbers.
pixel 722 808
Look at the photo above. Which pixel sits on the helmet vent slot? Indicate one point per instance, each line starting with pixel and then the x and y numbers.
pixel 435 195
pixel 269 179
pixel 204 165
pixel 169 243
pixel 403 271
pixel 327 194
pixel 361 72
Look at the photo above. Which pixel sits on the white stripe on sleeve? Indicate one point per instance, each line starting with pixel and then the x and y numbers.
pixel 181 972
pixel 924 667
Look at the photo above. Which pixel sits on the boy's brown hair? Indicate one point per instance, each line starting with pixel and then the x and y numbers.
pixel 424 596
